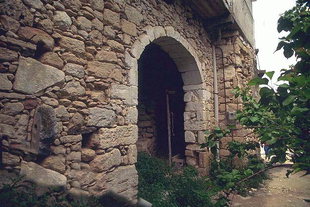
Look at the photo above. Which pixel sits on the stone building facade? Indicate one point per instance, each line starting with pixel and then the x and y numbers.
pixel 69 85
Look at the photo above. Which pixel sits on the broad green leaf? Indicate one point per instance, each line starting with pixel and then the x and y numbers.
pixel 280 45
pixel 290 99
pixel 288 51
pixel 270 74
pixel 258 81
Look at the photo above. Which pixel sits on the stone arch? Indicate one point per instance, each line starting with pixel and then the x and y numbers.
pixel 190 68
pixel 175 45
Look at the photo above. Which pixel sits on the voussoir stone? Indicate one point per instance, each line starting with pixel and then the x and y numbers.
pixel 42 176
pixel 33 76
pixel 101 117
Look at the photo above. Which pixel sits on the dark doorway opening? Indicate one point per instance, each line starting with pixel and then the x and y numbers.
pixel 161 105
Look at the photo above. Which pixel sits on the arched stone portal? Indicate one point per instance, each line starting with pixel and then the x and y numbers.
pixel 195 94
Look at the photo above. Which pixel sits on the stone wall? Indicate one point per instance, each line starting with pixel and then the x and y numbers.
pixel 68 86
pixel 236 66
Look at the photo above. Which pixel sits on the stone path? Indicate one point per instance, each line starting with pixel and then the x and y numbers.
pixel 278 191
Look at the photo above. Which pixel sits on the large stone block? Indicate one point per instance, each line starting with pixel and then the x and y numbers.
pixel 6 84
pixel 72 45
pixel 36 35
pixel 33 76
pixel 123 181
pixel 41 176
pixel 112 137
pixel 106 161
pixel 43 130
pixel 105 70
pixel 127 93
pixel 101 117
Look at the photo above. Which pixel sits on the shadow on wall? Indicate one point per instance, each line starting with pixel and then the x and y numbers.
pixel 16 191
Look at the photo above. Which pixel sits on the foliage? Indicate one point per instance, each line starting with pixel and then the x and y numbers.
pixel 281 118
pixel 228 173
pixel 164 186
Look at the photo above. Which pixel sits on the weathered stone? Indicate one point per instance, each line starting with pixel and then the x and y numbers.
pixel 106 56
pixel 61 112
pixel 8 55
pixel 74 156
pixel 7 130
pixel 88 154
pixel 127 93
pixel 111 137
pixel 12 108
pixel 41 176
pixel 132 115
pixel 71 139
pixel 128 27
pixel 190 137
pixel 51 58
pixel 101 117
pixel 96 37
pixel 133 14
pixel 74 70
pixel 62 20
pixel 105 70
pixel 75 123
pixel 116 46
pixel 26 48
pixel 12 95
pixel 84 24
pixel 132 154
pixel 21 127
pixel 6 84
pixel 47 25
pixel 97 4
pixel 18 11
pixel 33 76
pixel 73 88
pixel 109 31
pixel 9 159
pixel 50 101
pixel 43 130
pixel 37 36
pixel 79 104
pixel 123 181
pixel 59 150
pixel 106 161
pixel 74 5
pixel 72 45
pixel 9 23
pixel 5 119
pixel 37 4
pixel 111 17
pixel 56 163
pixel 97 24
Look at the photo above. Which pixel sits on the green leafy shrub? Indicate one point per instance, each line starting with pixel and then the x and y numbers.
pixel 163 186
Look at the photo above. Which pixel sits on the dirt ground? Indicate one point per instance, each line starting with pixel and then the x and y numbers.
pixel 278 191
